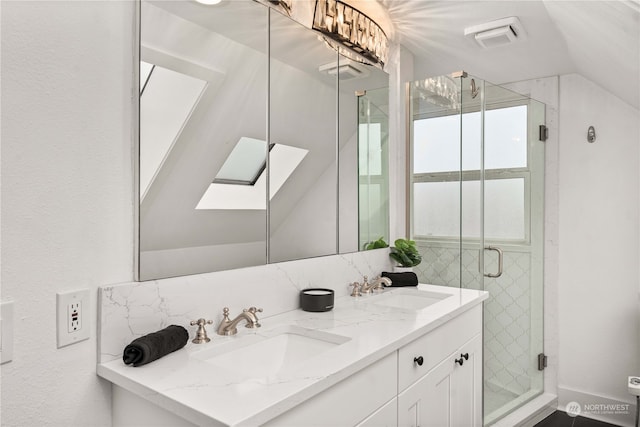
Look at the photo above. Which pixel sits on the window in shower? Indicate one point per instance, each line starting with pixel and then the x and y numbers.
pixel 439 165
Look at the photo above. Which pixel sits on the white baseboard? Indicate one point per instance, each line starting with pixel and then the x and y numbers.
pixel 601 408
pixel 530 413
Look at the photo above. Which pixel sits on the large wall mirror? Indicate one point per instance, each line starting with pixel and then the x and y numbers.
pixel 256 141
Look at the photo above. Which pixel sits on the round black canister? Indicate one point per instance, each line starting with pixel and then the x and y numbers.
pixel 316 299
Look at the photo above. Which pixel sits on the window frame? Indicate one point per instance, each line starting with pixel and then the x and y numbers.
pixel 474 175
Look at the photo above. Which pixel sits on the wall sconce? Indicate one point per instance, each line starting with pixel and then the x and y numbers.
pixel 351 28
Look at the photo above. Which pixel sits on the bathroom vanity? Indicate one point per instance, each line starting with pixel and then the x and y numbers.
pixel 404 357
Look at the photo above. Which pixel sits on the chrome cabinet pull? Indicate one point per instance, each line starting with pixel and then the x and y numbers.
pixel 500 257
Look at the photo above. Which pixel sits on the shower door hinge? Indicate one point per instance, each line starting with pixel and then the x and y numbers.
pixel 542 361
pixel 544 133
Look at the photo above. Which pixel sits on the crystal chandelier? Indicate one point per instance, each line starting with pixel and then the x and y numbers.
pixel 442 91
pixel 285 5
pixel 351 28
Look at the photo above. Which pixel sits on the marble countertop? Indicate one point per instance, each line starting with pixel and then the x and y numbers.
pixel 186 384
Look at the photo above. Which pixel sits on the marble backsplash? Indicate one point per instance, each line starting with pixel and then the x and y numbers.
pixel 130 310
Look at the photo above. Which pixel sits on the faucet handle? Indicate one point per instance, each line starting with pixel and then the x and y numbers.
pixel 254 323
pixel 356 289
pixel 201 333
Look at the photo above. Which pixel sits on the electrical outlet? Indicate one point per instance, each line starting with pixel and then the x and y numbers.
pixel 73 316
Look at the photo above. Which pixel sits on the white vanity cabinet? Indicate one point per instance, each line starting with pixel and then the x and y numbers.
pixel 449 395
pixel 428 374
pixel 438 381
pixel 366 398
pixel 437 390
pixel 387 416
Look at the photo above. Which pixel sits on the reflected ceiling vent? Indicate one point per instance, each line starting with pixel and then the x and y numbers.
pixel 346 70
pixel 497 33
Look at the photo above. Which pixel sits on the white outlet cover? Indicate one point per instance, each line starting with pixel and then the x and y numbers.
pixel 64 300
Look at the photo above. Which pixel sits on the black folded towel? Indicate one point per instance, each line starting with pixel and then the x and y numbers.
pixel 151 347
pixel 402 279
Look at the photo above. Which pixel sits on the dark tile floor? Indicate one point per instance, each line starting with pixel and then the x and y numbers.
pixel 561 419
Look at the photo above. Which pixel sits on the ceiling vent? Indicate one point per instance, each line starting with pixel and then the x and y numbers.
pixel 497 33
pixel 346 70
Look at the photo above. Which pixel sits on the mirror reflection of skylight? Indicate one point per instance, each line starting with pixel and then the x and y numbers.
pixel 245 163
pixel 165 107
pixel 283 160
pixel 145 71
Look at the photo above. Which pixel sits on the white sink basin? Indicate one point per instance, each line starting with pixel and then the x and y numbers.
pixel 409 299
pixel 271 353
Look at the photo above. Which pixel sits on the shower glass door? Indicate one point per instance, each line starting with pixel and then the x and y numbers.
pixel 477 213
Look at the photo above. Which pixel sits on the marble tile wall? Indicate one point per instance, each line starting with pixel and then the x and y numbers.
pixel 130 310
pixel 508 311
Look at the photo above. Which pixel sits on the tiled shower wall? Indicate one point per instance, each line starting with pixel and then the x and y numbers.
pixel 508 311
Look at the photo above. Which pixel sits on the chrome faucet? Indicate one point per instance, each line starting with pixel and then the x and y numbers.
pixel 377 283
pixel 228 327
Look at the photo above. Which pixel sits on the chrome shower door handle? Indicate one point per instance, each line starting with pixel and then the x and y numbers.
pixel 500 257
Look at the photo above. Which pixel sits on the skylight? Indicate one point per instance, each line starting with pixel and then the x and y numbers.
pixel 283 160
pixel 245 163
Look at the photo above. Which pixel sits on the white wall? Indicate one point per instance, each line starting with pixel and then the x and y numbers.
pixel 399 75
pixel 67 215
pixel 599 246
pixel 310 228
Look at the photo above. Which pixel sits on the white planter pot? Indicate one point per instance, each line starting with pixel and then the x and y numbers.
pixel 398 269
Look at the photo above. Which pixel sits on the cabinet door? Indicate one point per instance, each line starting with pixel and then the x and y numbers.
pixel 348 402
pixel 428 401
pixel 466 385
pixel 387 416
pixel 450 395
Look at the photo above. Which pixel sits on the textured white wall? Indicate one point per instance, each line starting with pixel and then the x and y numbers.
pixel 599 245
pixel 67 213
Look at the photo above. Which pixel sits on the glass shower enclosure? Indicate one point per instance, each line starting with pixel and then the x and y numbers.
pixel 476 175
pixel 373 166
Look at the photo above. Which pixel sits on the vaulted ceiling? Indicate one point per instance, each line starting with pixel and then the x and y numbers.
pixel 597 39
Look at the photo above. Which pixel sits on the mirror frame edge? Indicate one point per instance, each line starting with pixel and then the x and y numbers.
pixel 135 130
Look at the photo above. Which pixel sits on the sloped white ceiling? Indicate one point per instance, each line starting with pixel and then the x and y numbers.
pixel 603 39
pixel 598 39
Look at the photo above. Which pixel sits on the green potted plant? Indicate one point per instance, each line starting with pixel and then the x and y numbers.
pixel 406 254
pixel 376 244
